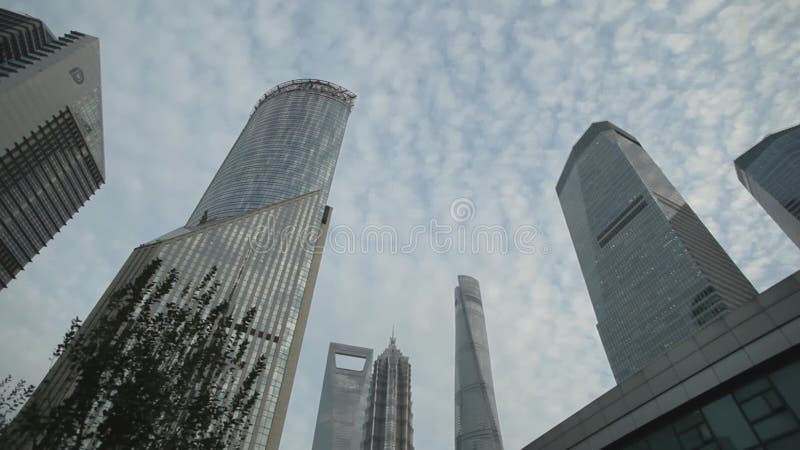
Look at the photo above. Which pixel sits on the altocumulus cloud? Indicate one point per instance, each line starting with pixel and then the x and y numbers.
pixel 477 100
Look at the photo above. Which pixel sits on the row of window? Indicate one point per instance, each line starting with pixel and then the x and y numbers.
pixel 43 181
pixel 271 281
pixel 761 414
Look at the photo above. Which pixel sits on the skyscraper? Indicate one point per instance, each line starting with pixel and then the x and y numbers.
pixel 340 417
pixel 264 231
pixel 771 172
pixel 655 274
pixel 51 134
pixel 388 421
pixel 289 147
pixel 476 421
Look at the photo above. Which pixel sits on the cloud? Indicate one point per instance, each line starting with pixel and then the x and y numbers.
pixel 454 101
pixel 698 10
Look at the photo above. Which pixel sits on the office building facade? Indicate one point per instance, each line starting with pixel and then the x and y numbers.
pixel 343 400
pixel 733 385
pixel 771 172
pixel 654 272
pixel 51 134
pixel 388 419
pixel 476 421
pixel 266 243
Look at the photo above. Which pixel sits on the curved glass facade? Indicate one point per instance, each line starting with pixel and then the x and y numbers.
pixel 262 223
pixel 288 147
pixel 476 422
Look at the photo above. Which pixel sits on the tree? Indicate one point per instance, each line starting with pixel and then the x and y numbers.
pixel 12 396
pixel 158 369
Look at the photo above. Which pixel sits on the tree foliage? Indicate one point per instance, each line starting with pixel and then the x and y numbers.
pixel 12 396
pixel 159 369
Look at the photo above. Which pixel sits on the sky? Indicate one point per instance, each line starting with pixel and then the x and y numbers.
pixel 471 106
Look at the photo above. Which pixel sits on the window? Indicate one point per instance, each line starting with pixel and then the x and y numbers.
pixel 759 414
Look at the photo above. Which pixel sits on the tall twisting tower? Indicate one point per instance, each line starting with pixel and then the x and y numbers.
pixel 388 421
pixel 476 422
pixel 262 223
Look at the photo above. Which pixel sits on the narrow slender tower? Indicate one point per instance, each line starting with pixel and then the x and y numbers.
pixel 262 222
pixel 770 170
pixel 51 134
pixel 654 272
pixel 388 422
pixel 476 422
pixel 340 416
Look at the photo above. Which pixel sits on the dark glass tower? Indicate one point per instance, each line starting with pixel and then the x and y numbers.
pixel 388 421
pixel 655 274
pixel 51 134
pixel 771 172
pixel 476 421
pixel 264 235
pixel 340 416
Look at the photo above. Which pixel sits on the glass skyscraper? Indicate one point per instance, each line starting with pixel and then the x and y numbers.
pixel 476 421
pixel 343 400
pixel 51 134
pixel 388 421
pixel 771 172
pixel 262 223
pixel 289 147
pixel 655 274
